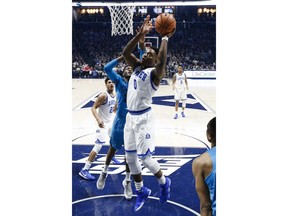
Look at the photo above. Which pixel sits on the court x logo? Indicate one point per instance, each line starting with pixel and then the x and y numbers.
pixel 191 102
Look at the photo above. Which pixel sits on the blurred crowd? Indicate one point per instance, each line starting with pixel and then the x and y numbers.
pixel 193 45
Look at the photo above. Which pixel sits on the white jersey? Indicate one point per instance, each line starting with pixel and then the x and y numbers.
pixel 180 81
pixel 140 89
pixel 105 111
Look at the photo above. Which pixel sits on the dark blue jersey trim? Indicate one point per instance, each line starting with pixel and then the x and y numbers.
pixel 139 112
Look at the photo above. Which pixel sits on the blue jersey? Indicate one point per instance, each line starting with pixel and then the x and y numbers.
pixel 121 88
pixel 211 180
pixel 117 133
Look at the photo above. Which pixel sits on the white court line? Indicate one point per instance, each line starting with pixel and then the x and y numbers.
pixel 80 161
pixel 86 101
pixel 151 197
pixel 202 103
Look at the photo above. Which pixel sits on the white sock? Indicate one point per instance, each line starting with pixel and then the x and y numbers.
pixel 87 165
pixel 128 175
pixel 138 185
pixel 162 180
pixel 105 168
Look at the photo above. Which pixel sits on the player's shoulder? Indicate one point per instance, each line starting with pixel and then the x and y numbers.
pixel 102 95
pixel 202 159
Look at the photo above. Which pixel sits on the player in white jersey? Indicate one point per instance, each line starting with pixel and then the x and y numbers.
pixel 105 103
pixel 180 87
pixel 139 130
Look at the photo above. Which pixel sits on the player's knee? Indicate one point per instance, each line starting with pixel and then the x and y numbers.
pixel 150 163
pixel 184 104
pixel 133 163
pixel 97 148
pixel 130 158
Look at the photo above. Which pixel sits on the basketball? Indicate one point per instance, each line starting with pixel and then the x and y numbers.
pixel 165 23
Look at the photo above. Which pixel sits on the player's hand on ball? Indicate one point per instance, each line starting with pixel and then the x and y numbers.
pixel 170 34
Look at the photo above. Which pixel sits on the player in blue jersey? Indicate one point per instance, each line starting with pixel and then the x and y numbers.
pixel 116 138
pixel 139 130
pixel 204 171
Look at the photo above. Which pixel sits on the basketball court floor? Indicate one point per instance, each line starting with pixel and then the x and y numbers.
pixel 177 142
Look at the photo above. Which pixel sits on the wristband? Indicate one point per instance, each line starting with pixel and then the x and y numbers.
pixel 165 38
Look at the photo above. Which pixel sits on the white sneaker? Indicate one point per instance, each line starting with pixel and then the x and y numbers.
pixel 101 180
pixel 127 189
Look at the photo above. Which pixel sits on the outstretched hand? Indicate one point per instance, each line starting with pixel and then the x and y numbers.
pixel 146 26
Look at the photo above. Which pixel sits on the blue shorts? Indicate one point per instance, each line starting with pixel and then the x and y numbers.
pixel 117 134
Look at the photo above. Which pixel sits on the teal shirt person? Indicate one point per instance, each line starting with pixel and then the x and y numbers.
pixel 211 180
pixel 121 86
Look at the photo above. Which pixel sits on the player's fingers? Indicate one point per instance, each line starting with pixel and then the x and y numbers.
pixel 151 27
pixel 171 33
pixel 147 19
pixel 138 29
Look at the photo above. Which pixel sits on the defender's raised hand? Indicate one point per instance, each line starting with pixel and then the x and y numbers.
pixel 146 26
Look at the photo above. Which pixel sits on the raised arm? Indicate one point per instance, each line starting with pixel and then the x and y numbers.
pixel 159 72
pixel 129 57
pixel 142 47
pixel 108 68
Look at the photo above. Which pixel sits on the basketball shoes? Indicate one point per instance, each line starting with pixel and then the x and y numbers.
pixel 183 115
pixel 101 180
pixel 142 196
pixel 84 173
pixel 127 189
pixel 165 191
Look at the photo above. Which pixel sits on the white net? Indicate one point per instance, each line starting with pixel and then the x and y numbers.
pixel 121 19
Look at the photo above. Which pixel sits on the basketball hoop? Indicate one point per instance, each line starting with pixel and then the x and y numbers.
pixel 121 19
pixel 122 13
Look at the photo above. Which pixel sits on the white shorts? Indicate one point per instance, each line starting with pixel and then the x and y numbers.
pixel 180 94
pixel 102 134
pixel 139 133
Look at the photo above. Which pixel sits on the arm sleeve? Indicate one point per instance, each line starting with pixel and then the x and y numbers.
pixel 141 53
pixel 108 68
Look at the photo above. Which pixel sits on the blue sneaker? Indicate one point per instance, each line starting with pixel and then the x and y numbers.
pixel 165 191
pixel 84 173
pixel 142 196
pixel 176 116
pixel 115 161
pixel 183 115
